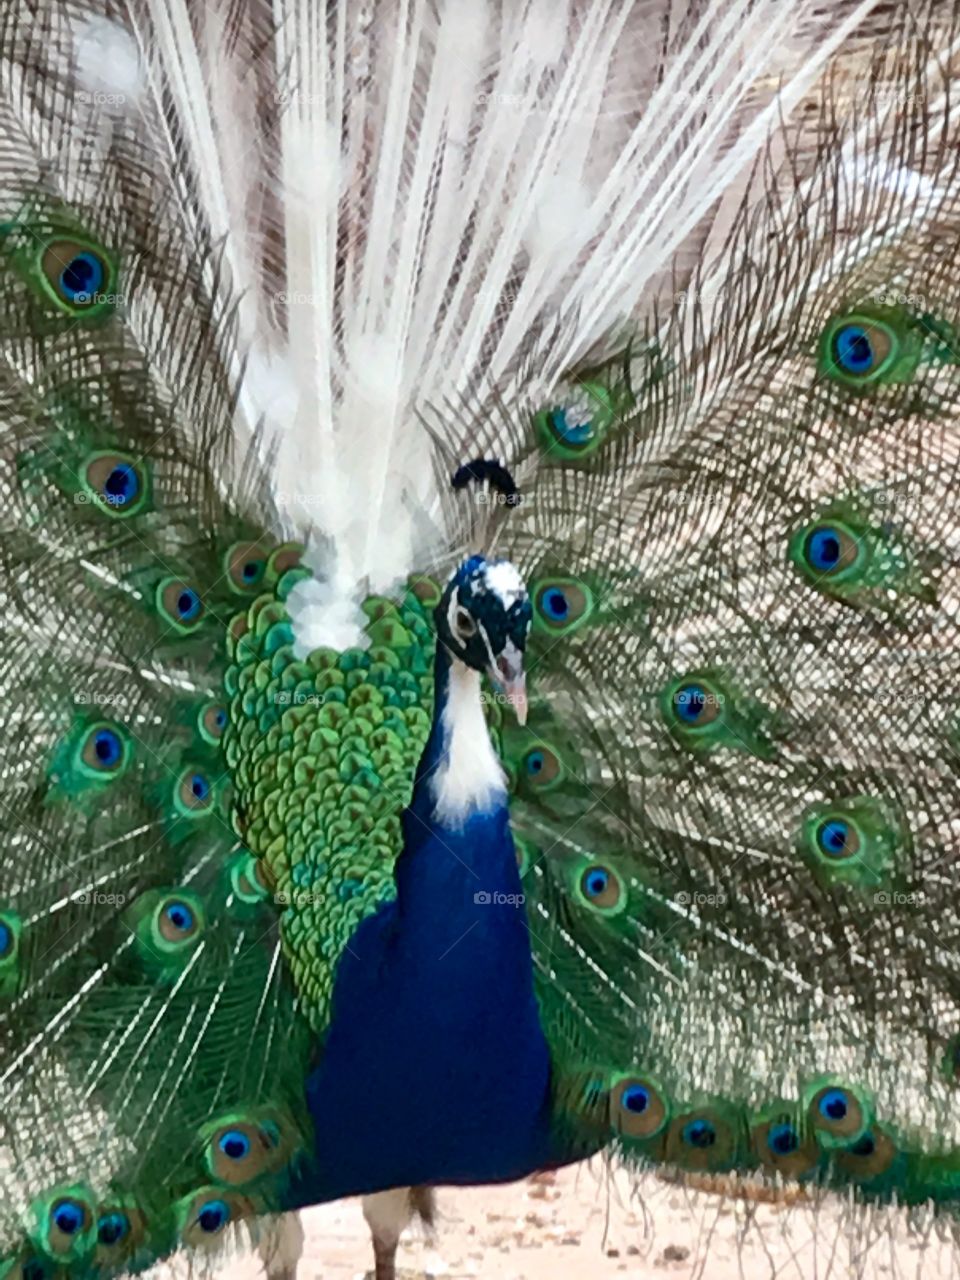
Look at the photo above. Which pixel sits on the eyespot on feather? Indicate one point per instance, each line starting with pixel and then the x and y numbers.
pixel 204 1216
pixel 245 567
pixel 194 793
pixel 600 888
pixel 121 1229
pixel 705 1139
pixel 838 1114
pixel 179 605
pixel 77 275
pixel 868 346
pixel 117 483
pixel 561 605
pixel 64 1224
pixel 638 1107
pixel 212 720
pixel 168 925
pixel 241 1149
pixel 542 768
pixel 104 750
pixel 11 929
pixel 869 1157
pixel 783 1143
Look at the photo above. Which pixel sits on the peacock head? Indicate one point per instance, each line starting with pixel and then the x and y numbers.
pixel 483 619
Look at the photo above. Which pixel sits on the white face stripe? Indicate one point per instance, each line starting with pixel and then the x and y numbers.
pixel 487 646
pixel 452 608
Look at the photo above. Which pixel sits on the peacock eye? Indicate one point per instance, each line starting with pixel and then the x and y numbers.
pixel 837 838
pixel 861 349
pixel 77 273
pixel 700 1133
pixel 179 605
pixel 639 1107
pixel 103 749
pixel 177 921
pixel 466 624
pixel 117 482
pixel 695 704
pixel 783 1139
pixel 213 1216
pixel 829 549
pixel 245 564
pixel 194 793
pixel 112 1228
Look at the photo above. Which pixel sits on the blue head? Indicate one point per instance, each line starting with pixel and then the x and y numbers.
pixel 483 619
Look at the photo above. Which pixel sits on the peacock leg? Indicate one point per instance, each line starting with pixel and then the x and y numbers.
pixel 388 1213
pixel 281 1246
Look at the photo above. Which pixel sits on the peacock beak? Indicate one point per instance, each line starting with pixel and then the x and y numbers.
pixel 509 677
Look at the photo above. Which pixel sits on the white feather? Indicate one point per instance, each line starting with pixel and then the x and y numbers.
pixel 469 778
pixel 108 64
pixel 445 186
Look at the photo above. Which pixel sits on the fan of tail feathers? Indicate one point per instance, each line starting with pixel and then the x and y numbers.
pixel 734 800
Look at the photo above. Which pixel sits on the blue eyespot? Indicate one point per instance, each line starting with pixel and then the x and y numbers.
pixel 783 1139
pixel 6 940
pixel 107 748
pixel 535 762
pixel 833 837
pixel 691 703
pixel 581 433
pixel 180 916
pixel 700 1134
pixel 81 278
pixel 220 719
pixel 199 787
pixel 595 882
pixel 112 1228
pixel 235 1144
pixel 853 350
pixel 834 1106
pixel 122 485
pixel 555 604
pixel 188 605
pixel 824 549
pixel 213 1216
pixel 68 1217
pixel 635 1098
pixel 864 1146
pixel 251 571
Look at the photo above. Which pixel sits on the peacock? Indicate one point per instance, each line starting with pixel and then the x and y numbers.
pixel 479 508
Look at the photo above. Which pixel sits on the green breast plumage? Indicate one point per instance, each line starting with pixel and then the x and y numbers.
pixel 322 754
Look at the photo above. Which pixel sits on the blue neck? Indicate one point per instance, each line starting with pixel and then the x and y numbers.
pixel 435 1068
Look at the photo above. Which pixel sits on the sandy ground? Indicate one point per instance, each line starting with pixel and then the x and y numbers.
pixel 583 1224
